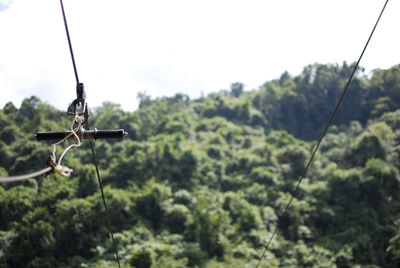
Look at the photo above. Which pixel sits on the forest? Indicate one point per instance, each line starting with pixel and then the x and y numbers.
pixel 204 182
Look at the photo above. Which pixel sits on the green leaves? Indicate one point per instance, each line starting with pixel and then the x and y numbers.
pixel 203 183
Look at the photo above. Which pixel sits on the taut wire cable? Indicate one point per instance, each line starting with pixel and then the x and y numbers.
pixel 323 134
pixel 91 144
pixel 69 42
pixel 108 222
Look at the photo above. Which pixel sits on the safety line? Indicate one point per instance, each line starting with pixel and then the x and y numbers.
pixel 57 166
pixel 26 176
pixel 69 42
pixel 323 134
pixel 73 133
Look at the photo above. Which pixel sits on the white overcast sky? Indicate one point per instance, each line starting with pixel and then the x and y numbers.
pixel 164 47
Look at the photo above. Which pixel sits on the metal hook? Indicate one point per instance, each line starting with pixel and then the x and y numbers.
pixel 73 109
pixel 79 101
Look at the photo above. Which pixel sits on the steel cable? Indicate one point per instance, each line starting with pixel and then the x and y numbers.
pixel 91 143
pixel 108 222
pixel 323 134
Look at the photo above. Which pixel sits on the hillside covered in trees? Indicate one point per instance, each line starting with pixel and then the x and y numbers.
pixel 204 182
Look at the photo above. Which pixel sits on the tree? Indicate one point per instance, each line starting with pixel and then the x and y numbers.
pixel 237 89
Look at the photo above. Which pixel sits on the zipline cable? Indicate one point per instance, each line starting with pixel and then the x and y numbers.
pixel 323 134
pixel 69 42
pixel 91 144
pixel 26 176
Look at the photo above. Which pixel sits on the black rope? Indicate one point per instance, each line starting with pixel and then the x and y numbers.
pixel 323 134
pixel 26 176
pixel 69 43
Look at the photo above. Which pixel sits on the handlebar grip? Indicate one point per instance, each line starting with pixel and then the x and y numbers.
pixel 52 135
pixel 86 135
pixel 104 134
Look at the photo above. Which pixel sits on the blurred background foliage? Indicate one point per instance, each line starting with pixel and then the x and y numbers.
pixel 203 183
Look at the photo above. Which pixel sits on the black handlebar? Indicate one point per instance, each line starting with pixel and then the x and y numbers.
pixel 86 135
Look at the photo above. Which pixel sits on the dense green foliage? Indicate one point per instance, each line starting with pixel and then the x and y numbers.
pixel 203 183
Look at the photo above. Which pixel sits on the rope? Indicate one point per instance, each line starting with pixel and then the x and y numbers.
pixel 323 134
pixel 53 166
pixel 25 177
pixel 73 133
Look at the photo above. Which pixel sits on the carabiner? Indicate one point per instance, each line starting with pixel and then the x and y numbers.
pixel 79 101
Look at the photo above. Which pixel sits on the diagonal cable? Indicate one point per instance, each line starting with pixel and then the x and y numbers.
pixel 323 134
pixel 69 42
pixel 92 148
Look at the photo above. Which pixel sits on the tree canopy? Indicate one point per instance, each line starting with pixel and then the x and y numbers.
pixel 204 182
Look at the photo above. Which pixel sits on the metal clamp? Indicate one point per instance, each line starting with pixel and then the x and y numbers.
pixel 79 101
